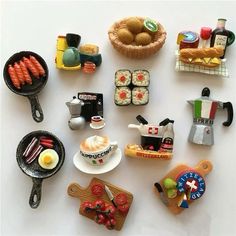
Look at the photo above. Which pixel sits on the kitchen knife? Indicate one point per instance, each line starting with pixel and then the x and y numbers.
pixel 162 195
pixel 110 195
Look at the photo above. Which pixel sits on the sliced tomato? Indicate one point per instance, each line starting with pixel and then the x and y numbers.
pixel 123 209
pixel 121 199
pixel 97 189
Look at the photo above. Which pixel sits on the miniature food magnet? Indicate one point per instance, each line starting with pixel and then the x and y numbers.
pixel 156 140
pixel 26 73
pixel 71 56
pixel 183 185
pixel 37 161
pixel 204 110
pixel 131 88
pixel 104 209
pixel 195 54
pixel 137 37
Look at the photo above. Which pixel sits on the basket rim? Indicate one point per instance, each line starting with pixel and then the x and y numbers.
pixel 114 40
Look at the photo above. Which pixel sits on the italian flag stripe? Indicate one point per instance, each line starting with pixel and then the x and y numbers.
pixel 205 109
pixel 213 110
pixel 197 108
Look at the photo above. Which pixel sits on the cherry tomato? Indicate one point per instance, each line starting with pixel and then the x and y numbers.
pixel 100 218
pixel 108 224
pixel 99 204
pixel 123 209
pixel 113 221
pixel 121 199
pixel 97 189
pixel 87 206
pixel 111 210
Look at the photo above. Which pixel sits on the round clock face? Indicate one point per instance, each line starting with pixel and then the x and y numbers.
pixel 191 183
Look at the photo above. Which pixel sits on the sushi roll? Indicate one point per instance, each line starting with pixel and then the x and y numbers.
pixel 140 96
pixel 122 96
pixel 122 78
pixel 141 78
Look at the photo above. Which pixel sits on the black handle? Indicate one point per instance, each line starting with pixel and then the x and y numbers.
pixel 35 196
pixel 141 120
pixel 36 109
pixel 230 111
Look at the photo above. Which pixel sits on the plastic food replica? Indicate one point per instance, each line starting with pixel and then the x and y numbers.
pixel 103 202
pixel 131 87
pixel 137 37
pixel 40 155
pixel 26 73
pixel 97 155
pixel 156 140
pixel 204 110
pixel 204 58
pixel 70 57
pixel 183 185
pixel 87 107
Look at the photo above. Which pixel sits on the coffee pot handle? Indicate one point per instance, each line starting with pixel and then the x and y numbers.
pixel 230 113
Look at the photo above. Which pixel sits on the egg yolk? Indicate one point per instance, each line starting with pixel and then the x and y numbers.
pixel 47 159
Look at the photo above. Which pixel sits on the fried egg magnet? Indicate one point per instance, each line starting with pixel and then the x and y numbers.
pixel 48 159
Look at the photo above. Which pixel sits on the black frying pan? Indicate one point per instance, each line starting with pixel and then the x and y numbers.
pixel 34 170
pixel 29 91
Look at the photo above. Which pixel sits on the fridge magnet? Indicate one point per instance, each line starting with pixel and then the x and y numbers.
pixel 183 185
pixel 97 155
pixel 204 52
pixel 71 56
pixel 156 140
pixel 137 37
pixel 26 73
pixel 103 202
pixel 87 107
pixel 204 111
pixel 40 155
pixel 131 87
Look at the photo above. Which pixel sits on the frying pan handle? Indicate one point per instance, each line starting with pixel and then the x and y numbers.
pixel 36 109
pixel 35 196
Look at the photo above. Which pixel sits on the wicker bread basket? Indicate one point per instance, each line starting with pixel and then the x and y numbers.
pixel 134 51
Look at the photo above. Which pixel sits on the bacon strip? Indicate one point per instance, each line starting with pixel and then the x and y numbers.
pixel 30 147
pixel 34 154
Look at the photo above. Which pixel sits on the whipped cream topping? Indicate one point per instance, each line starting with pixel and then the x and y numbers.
pixel 94 143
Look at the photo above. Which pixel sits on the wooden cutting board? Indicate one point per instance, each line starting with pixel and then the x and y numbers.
pixel 84 194
pixel 203 168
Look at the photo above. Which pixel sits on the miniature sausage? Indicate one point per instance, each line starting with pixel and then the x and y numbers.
pixel 37 65
pixel 13 76
pixel 25 72
pixel 19 73
pixel 31 67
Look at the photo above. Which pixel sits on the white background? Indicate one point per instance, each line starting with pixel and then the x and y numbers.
pixel 35 26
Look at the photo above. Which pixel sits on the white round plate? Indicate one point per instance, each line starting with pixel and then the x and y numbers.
pixel 87 168
pixel 100 127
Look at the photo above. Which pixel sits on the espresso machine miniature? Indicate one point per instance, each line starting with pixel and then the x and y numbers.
pixel 156 140
pixel 204 110
pixel 76 121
